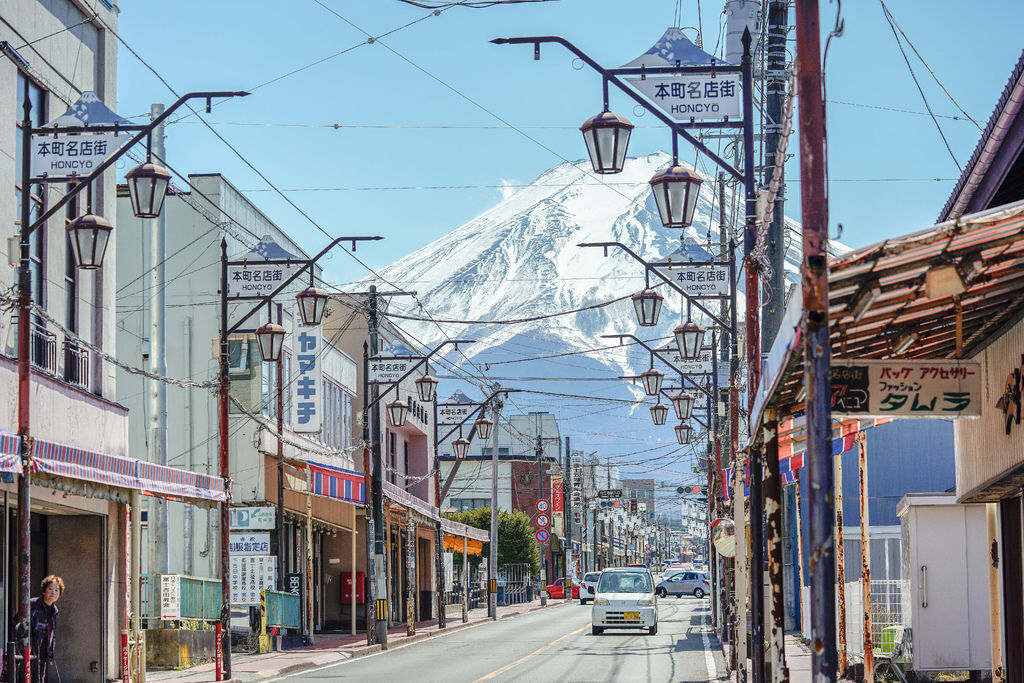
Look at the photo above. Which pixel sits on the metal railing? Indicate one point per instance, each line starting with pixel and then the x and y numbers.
pixel 284 610
pixel 44 348
pixel 515 584
pixel 76 363
pixel 198 599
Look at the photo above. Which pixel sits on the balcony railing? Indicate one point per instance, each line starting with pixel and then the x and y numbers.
pixel 44 348
pixel 76 364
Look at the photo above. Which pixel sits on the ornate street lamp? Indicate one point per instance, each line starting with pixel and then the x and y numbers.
pixel 426 388
pixel 659 413
pixel 689 339
pixel 483 428
pixel 652 380
pixel 683 433
pixel 147 188
pixel 683 403
pixel 647 303
pixel 461 448
pixel 270 338
pixel 397 412
pixel 607 136
pixel 312 304
pixel 89 236
pixel 675 192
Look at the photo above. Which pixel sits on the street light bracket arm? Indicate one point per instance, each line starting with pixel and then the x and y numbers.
pixel 667 280
pixel 655 352
pixel 610 76
pixel 422 361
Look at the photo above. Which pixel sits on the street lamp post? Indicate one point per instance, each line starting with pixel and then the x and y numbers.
pixel 89 236
pixel 673 190
pixel 270 339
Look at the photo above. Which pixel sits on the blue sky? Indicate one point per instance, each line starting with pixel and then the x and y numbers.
pixel 429 106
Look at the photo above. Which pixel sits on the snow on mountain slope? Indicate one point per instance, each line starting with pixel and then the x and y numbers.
pixel 520 259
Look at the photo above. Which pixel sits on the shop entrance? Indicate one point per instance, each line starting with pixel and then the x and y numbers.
pixel 70 546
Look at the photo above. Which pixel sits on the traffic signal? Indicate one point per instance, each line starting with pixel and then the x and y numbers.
pixel 577 517
pixel 632 506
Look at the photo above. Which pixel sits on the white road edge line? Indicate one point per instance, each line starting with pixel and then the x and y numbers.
pixel 709 656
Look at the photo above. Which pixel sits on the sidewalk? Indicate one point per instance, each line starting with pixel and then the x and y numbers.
pixel 798 660
pixel 329 650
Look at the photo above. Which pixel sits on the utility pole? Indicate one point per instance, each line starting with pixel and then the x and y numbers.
pixel 492 559
pixel 772 312
pixel 540 496
pixel 158 538
pixel 378 579
pixel 568 514
pixel 817 348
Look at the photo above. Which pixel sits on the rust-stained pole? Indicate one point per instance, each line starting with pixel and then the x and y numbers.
pixel 410 575
pixel 773 509
pixel 995 617
pixel 799 550
pixel 865 556
pixel 817 352
pixel 740 612
pixel 840 566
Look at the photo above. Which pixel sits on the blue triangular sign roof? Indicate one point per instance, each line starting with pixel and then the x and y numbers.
pixel 673 46
pixel 459 397
pixel 89 110
pixel 690 250
pixel 268 250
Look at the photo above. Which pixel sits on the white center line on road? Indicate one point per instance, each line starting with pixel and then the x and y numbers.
pixel 709 657
pixel 498 672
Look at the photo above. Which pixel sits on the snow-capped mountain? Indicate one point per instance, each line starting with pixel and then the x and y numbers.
pixel 520 260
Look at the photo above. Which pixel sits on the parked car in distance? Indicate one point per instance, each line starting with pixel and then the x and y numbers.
pixel 588 587
pixel 684 583
pixel 556 590
pixel 625 599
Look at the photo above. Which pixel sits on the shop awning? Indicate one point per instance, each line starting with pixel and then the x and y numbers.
pixel 887 285
pixel 410 502
pixel 10 452
pixel 338 483
pixel 453 544
pixel 464 530
pixel 49 457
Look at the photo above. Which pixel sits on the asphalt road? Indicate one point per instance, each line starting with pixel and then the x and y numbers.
pixel 551 645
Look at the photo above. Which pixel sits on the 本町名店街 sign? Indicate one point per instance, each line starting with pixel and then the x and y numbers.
pixel 693 96
pixel 256 279
pixel 388 370
pixel 698 280
pixel 888 388
pixel 451 414
pixel 64 156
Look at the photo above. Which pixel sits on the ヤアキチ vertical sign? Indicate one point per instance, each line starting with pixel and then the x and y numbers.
pixel 899 388
pixel 307 379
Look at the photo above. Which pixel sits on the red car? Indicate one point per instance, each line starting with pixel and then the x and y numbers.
pixel 556 590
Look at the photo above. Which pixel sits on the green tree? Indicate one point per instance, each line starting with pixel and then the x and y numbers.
pixel 516 543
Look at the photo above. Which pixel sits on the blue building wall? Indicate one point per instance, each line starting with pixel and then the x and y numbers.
pixel 904 456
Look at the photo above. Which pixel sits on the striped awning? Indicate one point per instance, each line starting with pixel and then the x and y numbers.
pixel 10 452
pixel 62 460
pixel 338 483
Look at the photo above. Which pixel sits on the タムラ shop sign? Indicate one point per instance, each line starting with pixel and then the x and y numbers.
pixel 899 388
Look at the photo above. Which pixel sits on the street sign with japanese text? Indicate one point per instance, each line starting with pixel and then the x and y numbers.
pixel 693 96
pixel 250 543
pixel 256 279
pixel 60 157
pixel 698 280
pixel 451 414
pixel 384 370
pixel 903 388
pixel 307 382
pixel 609 493
pixel 170 596
pixel 702 364
pixel 249 575
pixel 253 518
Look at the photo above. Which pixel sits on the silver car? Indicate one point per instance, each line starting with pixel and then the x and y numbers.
pixel 588 586
pixel 625 599
pixel 685 583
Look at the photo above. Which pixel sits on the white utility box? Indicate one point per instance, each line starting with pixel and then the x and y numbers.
pixel 945 565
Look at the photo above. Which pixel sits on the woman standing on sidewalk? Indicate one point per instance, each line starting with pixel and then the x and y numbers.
pixel 44 629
